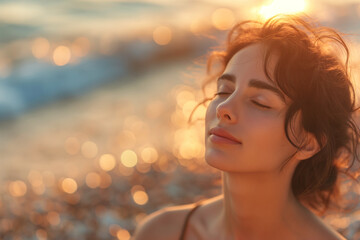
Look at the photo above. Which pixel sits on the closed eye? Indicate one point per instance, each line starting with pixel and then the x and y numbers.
pixel 260 105
pixel 254 102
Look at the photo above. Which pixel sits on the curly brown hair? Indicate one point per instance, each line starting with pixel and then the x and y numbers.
pixel 317 81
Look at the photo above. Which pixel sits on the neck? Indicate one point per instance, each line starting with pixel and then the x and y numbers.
pixel 258 204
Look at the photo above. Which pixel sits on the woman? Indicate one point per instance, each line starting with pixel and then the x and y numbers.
pixel 279 128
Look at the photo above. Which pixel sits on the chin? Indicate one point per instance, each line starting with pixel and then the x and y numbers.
pixel 215 159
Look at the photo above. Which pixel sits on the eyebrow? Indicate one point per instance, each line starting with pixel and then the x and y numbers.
pixel 255 83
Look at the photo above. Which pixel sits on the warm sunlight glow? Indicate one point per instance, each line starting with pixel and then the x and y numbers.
pixel 162 35
pixel 107 162
pixel 128 158
pixel 139 195
pixel 282 6
pixel 191 149
pixel 36 181
pixel 149 155
pixel 123 234
pixel 223 18
pixel 69 185
pixel 61 55
pixel 17 188
pixel 184 96
pixel 188 107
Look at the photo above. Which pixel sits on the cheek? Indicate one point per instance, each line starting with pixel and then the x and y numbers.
pixel 267 140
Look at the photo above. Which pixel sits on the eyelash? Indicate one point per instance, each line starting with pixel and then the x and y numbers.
pixel 256 103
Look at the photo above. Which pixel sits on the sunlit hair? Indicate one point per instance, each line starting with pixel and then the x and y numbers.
pixel 317 81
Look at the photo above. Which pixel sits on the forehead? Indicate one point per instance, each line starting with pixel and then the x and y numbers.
pixel 249 63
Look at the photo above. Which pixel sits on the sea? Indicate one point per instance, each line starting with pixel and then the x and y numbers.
pixel 51 50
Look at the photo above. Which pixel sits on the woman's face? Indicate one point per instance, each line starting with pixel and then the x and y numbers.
pixel 252 109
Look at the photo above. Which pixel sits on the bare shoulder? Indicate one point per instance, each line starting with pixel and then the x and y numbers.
pixel 330 234
pixel 163 224
pixel 323 231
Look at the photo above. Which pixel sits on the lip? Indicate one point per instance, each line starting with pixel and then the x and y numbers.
pixel 220 135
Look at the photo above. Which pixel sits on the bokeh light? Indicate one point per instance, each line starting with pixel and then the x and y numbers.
pixel 149 155
pixel 17 188
pixel 223 18
pixel 191 149
pixel 107 162
pixel 61 55
pixel 93 180
pixel 123 234
pixel 89 149
pixel 162 35
pixel 114 155
pixel 37 183
pixel 128 158
pixel 139 195
pixel 69 185
pixel 188 107
pixel 184 96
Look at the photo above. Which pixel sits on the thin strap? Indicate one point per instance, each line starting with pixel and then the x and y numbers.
pixel 197 204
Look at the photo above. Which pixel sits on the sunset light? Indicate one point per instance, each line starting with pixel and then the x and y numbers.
pixel 61 55
pixel 223 18
pixel 282 6
pixel 106 108
pixel 162 35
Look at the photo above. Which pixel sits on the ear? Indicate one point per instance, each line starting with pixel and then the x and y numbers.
pixel 309 147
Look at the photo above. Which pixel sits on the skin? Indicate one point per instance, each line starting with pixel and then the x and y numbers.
pixel 257 201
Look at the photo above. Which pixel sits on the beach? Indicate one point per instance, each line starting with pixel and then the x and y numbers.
pixel 56 141
pixel 66 140
pixel 94 131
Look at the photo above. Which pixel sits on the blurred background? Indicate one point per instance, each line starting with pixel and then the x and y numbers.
pixel 94 101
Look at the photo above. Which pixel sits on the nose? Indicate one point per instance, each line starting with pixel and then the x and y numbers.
pixel 225 113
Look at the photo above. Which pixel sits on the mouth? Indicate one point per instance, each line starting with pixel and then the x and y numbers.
pixel 221 136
